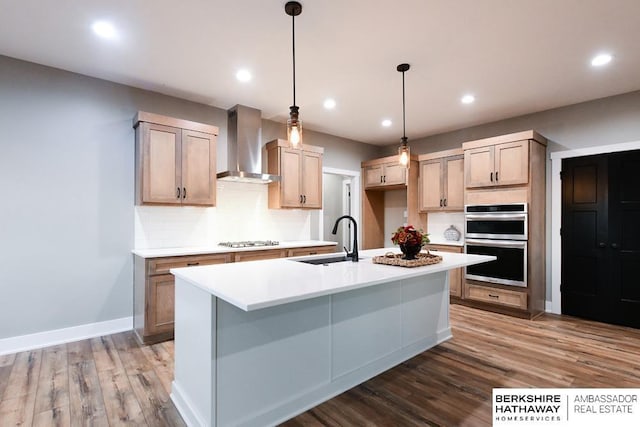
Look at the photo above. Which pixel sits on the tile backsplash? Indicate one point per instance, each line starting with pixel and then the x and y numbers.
pixel 241 213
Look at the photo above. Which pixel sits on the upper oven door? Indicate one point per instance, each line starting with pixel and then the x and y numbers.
pixel 496 226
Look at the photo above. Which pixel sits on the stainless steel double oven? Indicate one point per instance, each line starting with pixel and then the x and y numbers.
pixel 501 231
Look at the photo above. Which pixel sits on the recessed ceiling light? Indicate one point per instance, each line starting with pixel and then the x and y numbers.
pixel 105 30
pixel 243 75
pixel 600 60
pixel 329 104
pixel 386 123
pixel 468 99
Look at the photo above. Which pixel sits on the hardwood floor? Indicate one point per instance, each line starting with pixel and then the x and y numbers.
pixel 113 381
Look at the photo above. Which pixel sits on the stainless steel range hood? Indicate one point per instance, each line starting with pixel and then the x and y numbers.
pixel 244 147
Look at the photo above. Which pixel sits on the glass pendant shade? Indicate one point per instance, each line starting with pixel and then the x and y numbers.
pixel 404 155
pixel 294 127
pixel 294 132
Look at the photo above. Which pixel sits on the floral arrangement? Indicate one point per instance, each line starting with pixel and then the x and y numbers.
pixel 409 236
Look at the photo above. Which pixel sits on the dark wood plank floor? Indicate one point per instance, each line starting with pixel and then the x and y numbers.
pixel 113 381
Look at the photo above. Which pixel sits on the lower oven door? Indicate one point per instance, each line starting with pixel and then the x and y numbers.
pixel 510 267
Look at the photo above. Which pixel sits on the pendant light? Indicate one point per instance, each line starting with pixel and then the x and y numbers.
pixel 403 151
pixel 294 124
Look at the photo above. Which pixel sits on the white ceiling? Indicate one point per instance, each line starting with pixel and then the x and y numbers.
pixel 515 56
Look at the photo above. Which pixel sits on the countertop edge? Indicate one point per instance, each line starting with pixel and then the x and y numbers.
pixel 171 252
pixel 286 298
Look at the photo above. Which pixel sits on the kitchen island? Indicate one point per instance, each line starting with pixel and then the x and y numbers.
pixel 259 342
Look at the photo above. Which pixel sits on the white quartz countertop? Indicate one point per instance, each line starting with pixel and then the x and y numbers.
pixel 255 285
pixel 215 249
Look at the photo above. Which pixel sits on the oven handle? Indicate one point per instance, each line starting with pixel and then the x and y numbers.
pixel 495 217
pixel 497 243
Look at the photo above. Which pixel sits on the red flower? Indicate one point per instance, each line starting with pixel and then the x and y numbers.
pixel 409 236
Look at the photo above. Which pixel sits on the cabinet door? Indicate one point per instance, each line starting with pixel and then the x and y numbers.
pixel 431 185
pixel 312 180
pixel 373 176
pixel 512 163
pixel 290 173
pixel 161 175
pixel 198 168
pixel 479 167
pixel 453 184
pixel 394 174
pixel 161 302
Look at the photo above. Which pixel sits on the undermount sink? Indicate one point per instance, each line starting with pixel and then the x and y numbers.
pixel 323 261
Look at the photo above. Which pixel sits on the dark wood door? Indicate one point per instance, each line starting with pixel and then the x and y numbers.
pixel 601 237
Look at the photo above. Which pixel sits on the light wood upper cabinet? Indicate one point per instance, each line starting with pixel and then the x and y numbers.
pixel 300 171
pixel 512 163
pixel 385 174
pixel 495 165
pixel 312 179
pixel 441 184
pixel 175 161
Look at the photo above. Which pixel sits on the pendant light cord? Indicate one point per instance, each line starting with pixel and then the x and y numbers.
pixel 293 32
pixel 404 132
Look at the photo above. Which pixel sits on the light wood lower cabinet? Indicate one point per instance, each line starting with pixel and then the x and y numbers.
pixel 154 285
pixel 154 290
pixel 507 298
pixel 455 276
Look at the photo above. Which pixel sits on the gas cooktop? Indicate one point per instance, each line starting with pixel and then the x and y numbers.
pixel 249 243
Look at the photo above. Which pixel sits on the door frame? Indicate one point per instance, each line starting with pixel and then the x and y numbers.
pixel 556 210
pixel 354 177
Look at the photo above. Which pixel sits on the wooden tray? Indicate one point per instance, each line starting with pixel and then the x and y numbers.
pixel 422 259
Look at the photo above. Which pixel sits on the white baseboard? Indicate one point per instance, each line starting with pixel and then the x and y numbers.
pixel 65 335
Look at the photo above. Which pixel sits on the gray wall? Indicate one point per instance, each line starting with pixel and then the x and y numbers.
pixel 66 222
pixel 333 208
pixel 605 121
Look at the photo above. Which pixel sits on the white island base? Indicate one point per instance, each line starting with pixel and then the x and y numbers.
pixel 271 364
pixel 263 366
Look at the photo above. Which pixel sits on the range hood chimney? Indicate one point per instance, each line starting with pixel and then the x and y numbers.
pixel 244 147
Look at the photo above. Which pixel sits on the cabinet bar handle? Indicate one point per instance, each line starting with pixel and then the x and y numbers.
pixel 440 202
pixel 304 199
pixel 381 179
pixel 445 203
pixel 178 193
pixel 491 176
pixel 190 264
pixel 496 176
pixel 494 296
pixel 184 193
pixel 301 198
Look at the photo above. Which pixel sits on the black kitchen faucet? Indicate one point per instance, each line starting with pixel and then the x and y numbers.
pixel 353 255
